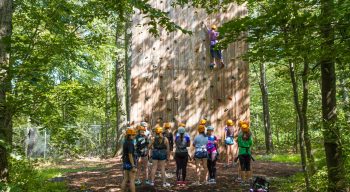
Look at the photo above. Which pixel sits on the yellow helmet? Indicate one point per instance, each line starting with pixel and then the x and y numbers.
pixel 240 123
pixel 202 122
pixel 140 128
pixel 130 131
pixel 182 125
pixel 229 122
pixel 167 125
pixel 159 130
pixel 213 27
pixel 245 126
pixel 201 128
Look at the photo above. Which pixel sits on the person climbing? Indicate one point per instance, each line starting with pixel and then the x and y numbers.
pixel 160 153
pixel 212 148
pixel 182 141
pixel 142 142
pixel 215 53
pixel 245 142
pixel 229 134
pixel 129 160
pixel 200 155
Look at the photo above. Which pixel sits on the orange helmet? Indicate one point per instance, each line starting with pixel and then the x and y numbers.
pixel 201 128
pixel 213 27
pixel 140 128
pixel 130 131
pixel 202 122
pixel 229 122
pixel 182 125
pixel 159 130
pixel 167 125
pixel 245 126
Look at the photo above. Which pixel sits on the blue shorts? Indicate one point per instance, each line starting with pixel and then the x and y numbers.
pixel 201 155
pixel 215 53
pixel 159 155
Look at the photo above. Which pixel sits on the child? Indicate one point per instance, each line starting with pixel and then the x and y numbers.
pixel 215 54
pixel 182 141
pixel 212 148
pixel 142 142
pixel 129 160
pixel 160 153
pixel 229 134
pixel 244 151
pixel 200 143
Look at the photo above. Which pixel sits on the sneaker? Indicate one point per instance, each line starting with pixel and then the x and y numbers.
pixel 151 183
pixel 178 182
pixel 183 183
pixel 138 182
pixel 166 184
pixel 197 183
pixel 213 181
pixel 212 65
pixel 222 65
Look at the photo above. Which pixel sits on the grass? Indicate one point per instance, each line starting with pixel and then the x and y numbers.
pixel 281 158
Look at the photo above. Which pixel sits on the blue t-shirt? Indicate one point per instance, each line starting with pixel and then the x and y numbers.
pixel 200 142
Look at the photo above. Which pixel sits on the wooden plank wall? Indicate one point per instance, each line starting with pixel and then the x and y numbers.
pixel 170 76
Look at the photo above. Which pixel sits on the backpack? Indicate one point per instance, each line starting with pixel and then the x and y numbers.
pixel 260 184
pixel 181 147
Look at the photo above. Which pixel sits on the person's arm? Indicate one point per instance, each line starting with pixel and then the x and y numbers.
pixel 167 148
pixel 225 131
pixel 131 155
pixel 188 141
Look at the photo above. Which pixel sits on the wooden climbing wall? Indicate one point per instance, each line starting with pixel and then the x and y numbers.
pixel 170 77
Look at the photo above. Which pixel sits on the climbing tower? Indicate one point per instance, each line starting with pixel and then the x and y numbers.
pixel 170 77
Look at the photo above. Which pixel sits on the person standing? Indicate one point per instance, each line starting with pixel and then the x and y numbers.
pixel 212 148
pixel 129 160
pixel 182 141
pixel 200 144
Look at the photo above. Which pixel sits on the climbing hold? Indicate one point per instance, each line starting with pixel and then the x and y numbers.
pixel 168 109
pixel 146 57
pixel 167 48
pixel 219 99
pixel 218 78
pixel 203 58
pixel 160 58
pixel 154 66
pixel 161 76
pixel 161 99
pixel 204 79
pixel 226 110
pixel 154 48
pixel 229 98
pixel 211 85
pixel 219 119
pixel 175 41
pixel 168 66
pixel 147 98
pixel 232 77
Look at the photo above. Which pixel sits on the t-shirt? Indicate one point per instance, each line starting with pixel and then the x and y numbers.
pixel 181 146
pixel 211 146
pixel 141 144
pixel 128 147
pixel 200 142
pixel 169 136
pixel 230 131
pixel 244 145
pixel 213 36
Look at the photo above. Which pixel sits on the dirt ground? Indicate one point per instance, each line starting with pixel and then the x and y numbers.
pixel 107 176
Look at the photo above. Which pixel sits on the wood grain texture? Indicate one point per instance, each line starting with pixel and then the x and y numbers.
pixel 172 74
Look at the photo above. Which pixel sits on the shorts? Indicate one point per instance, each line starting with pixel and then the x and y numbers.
pixel 244 161
pixel 229 141
pixel 159 155
pixel 215 53
pixel 201 154
pixel 127 166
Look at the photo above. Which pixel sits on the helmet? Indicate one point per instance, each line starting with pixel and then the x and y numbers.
pixel 130 131
pixel 210 128
pixel 202 122
pixel 213 27
pixel 182 125
pixel 181 130
pixel 167 125
pixel 140 128
pixel 240 123
pixel 159 130
pixel 144 124
pixel 245 126
pixel 201 128
pixel 229 122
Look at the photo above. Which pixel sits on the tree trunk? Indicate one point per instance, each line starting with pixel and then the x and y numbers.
pixel 266 110
pixel 301 124
pixel 127 49
pixel 332 142
pixel 107 111
pixel 296 133
pixel 305 82
pixel 5 86
pixel 120 99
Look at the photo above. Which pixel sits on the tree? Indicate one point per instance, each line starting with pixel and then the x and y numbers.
pixel 332 141
pixel 5 86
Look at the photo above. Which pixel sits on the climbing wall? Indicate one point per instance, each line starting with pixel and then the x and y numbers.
pixel 170 77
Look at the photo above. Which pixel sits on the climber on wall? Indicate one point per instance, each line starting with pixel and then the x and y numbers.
pixel 215 53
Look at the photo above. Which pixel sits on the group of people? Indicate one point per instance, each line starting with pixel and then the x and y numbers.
pixel 142 146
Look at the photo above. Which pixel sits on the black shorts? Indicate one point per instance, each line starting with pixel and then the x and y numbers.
pixel 244 161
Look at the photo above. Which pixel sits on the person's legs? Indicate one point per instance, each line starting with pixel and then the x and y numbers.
pixel 132 181
pixel 204 163
pixel 209 165
pixel 184 167
pixel 178 167
pixel 154 169
pixel 198 169
pixel 162 169
pixel 125 179
pixel 229 151
pixel 145 167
